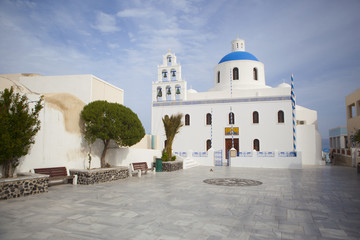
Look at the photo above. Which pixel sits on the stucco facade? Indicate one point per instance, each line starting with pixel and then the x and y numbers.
pixel 352 102
pixel 59 141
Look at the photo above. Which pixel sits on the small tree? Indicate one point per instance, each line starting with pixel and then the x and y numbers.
pixel 111 121
pixel 19 125
pixel 172 125
pixel 356 138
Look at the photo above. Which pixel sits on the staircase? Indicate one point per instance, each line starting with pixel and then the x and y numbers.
pixel 187 162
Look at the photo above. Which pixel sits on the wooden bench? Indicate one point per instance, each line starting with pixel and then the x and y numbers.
pixel 140 167
pixel 56 174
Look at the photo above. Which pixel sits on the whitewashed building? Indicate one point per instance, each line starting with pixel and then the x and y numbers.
pixel 60 142
pixel 239 112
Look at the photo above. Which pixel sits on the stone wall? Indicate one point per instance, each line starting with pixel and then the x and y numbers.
pixel 23 186
pixel 93 176
pixel 343 160
pixel 172 166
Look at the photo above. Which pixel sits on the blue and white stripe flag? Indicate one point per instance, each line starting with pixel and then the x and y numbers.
pixel 293 104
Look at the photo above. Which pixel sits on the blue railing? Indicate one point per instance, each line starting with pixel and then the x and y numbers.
pixel 181 154
pixel 200 154
pixel 267 154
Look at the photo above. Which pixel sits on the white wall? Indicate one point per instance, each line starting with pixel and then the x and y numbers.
pixel 86 87
pixel 308 141
pixel 102 90
pixel 77 85
pixel 268 162
pixel 272 135
pixel 202 160
pixel 55 146
pixel 125 156
pixel 246 79
pixel 59 141
pixel 307 115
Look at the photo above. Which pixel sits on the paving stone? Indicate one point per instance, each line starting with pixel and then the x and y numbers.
pixel 333 233
pixel 311 203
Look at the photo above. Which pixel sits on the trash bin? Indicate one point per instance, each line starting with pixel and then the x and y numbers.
pixel 158 165
pixel 358 168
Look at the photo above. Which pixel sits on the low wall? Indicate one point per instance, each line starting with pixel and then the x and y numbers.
pixel 343 160
pixel 21 186
pixel 172 166
pixel 202 158
pixel 268 160
pixel 247 159
pixel 93 176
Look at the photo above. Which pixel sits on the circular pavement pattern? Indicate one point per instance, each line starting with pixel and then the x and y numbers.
pixel 232 182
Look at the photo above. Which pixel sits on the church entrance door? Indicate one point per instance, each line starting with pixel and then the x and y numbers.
pixel 228 146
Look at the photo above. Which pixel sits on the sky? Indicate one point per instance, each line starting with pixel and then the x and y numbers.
pixel 122 42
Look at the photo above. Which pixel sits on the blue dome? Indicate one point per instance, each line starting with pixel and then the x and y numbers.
pixel 238 55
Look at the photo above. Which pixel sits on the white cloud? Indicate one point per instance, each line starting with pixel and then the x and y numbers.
pixel 113 45
pixel 316 41
pixel 105 23
pixel 137 13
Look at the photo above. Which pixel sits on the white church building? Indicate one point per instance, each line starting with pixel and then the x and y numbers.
pixel 240 121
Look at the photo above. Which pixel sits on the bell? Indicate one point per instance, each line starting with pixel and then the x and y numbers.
pixel 173 73
pixel 165 75
pixel 169 91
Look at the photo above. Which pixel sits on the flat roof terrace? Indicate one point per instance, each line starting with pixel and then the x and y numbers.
pixel 309 203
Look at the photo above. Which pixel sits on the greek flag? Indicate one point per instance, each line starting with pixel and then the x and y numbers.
pixel 293 112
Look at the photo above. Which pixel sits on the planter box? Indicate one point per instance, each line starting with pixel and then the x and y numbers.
pixel 93 176
pixel 23 185
pixel 172 166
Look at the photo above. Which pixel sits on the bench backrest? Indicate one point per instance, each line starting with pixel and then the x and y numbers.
pixel 53 172
pixel 140 166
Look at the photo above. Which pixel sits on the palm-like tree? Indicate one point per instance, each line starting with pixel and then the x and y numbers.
pixel 172 125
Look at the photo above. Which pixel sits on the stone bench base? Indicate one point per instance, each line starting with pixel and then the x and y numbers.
pixel 93 176
pixel 172 166
pixel 21 186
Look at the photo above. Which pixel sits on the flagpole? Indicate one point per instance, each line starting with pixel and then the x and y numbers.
pixel 231 114
pixel 293 104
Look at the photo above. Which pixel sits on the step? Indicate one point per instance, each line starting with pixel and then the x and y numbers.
pixel 189 163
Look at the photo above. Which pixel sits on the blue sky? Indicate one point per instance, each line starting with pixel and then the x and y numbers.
pixel 122 42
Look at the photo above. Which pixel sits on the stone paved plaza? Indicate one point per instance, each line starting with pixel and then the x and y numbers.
pixel 312 203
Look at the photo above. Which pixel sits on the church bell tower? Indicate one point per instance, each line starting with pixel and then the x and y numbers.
pixel 169 85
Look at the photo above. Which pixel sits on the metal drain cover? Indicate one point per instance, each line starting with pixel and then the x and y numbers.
pixel 232 182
